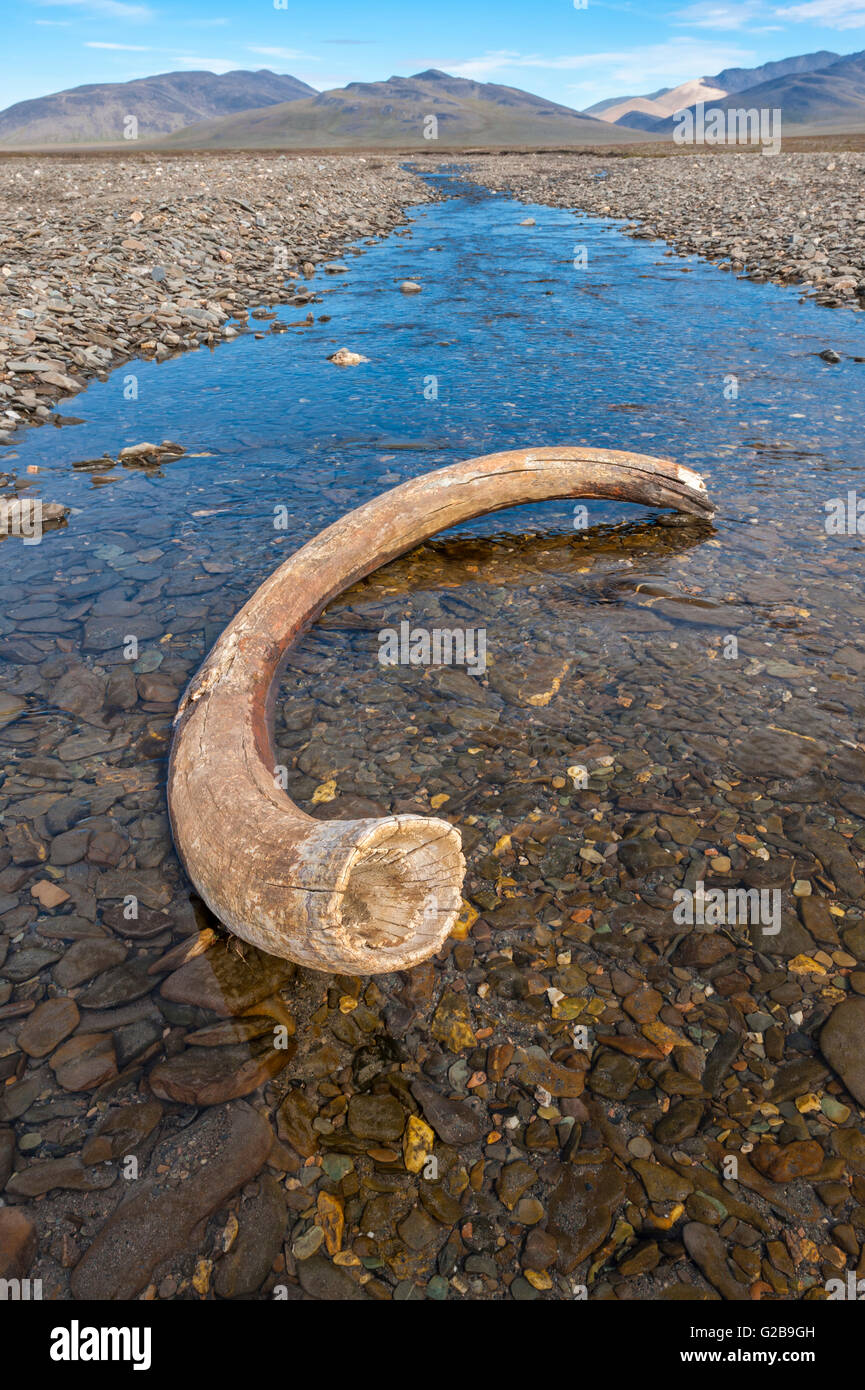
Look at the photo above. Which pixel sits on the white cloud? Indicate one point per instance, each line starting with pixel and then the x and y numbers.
pixel 289 54
pixel 672 62
pixel 105 9
pixel 709 15
pixel 832 14
pixel 748 14
pixel 121 47
pixel 478 69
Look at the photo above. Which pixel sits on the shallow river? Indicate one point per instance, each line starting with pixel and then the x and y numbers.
pixel 706 678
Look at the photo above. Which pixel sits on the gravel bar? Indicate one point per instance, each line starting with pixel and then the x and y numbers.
pixel 102 260
pixel 790 218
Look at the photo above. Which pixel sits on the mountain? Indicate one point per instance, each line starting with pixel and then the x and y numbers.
pixel 741 79
pixel 832 97
pixel 661 104
pixel 642 112
pixel 98 112
pixel 396 113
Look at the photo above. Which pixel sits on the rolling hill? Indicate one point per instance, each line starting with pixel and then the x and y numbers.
pixel 96 113
pixel 393 114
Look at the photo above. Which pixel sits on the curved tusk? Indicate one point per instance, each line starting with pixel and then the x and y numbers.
pixel 356 896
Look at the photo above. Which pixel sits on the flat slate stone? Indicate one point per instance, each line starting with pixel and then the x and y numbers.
pixel 87 958
pixel 52 1173
pixel 842 1043
pixel 47 1026
pixel 454 1121
pixel 581 1210
pixel 259 1240
pixel 85 1061
pixel 202 1167
pixel 325 1281
pixel 212 1075
pixel 226 982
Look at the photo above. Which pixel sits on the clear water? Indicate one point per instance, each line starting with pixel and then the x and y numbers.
pixel 608 647
pixel 518 347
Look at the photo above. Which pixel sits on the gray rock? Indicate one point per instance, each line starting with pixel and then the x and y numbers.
pixel 842 1043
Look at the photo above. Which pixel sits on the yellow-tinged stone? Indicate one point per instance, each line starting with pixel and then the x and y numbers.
pixel 468 915
pixel 596 1007
pixel 331 1218
pixel 458 1180
pixel 805 965
pixel 439 800
pixel 326 791
pixel 229 1235
pixel 493 1137
pixel 549 1112
pixel 346 1259
pixel 665 1223
pixel 538 1278
pixel 805 1104
pixel 663 1037
pixel 451 1022
pixel 201 1277
pixel 543 697
pixel 502 844
pixel 833 995
pixel 624 1231
pixel 569 1008
pixel 417 1143
pixel 347 1005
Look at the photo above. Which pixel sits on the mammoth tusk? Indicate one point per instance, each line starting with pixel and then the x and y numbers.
pixel 355 896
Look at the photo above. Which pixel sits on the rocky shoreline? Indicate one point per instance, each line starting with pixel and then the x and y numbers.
pixel 792 218
pixel 105 260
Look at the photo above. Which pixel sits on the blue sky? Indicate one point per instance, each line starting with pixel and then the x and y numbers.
pixel 575 56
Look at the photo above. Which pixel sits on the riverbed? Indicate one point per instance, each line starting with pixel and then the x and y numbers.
pixel 664 703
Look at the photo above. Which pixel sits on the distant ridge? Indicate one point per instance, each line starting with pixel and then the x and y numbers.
pixel 651 112
pixel 396 114
pixel 97 113
pixel 832 97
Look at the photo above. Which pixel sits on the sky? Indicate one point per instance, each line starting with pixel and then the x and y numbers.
pixel 574 53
